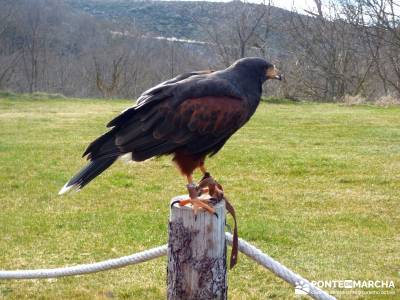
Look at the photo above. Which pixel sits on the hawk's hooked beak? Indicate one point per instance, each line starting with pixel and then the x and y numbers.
pixel 273 73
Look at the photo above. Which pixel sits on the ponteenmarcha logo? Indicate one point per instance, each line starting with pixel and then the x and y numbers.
pixel 353 284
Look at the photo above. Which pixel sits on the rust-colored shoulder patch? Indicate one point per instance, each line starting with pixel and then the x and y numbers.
pixel 211 115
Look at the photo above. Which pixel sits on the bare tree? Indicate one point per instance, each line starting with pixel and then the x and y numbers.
pixel 7 12
pixel 108 89
pixel 241 27
pixel 34 33
pixel 331 52
pixel 381 23
pixel 8 58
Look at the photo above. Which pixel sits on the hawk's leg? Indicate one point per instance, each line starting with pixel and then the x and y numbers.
pixel 206 175
pixel 203 170
pixel 209 185
pixel 194 199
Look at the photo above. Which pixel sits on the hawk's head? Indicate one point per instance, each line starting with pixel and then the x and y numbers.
pixel 255 66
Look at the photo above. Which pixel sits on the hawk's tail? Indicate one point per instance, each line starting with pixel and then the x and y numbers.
pixel 89 172
pixel 102 153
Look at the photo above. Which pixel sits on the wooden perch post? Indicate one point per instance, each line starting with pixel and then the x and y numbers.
pixel 197 254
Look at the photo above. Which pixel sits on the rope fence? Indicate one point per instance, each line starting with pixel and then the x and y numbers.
pixel 245 247
pixel 87 268
pixel 278 269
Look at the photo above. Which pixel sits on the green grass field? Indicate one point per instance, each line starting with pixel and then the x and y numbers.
pixel 316 186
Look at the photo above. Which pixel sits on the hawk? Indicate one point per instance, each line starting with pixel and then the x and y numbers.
pixel 190 117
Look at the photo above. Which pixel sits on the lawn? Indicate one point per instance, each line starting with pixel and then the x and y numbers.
pixel 316 186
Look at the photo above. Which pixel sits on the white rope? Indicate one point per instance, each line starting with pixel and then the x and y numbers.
pixel 251 251
pixel 87 268
pixel 279 269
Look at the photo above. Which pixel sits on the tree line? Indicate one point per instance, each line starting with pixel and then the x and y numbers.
pixel 336 48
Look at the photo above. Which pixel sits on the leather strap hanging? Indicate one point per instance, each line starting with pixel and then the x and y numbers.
pixel 235 249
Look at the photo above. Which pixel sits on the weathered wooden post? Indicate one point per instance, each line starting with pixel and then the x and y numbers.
pixel 197 254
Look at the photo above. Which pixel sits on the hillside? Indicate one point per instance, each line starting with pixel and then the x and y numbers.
pixel 178 19
pixel 92 38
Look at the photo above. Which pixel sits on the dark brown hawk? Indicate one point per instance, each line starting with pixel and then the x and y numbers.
pixel 190 116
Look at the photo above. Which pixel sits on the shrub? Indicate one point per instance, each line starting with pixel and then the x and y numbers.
pixel 44 95
pixel 353 100
pixel 7 94
pixel 387 100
